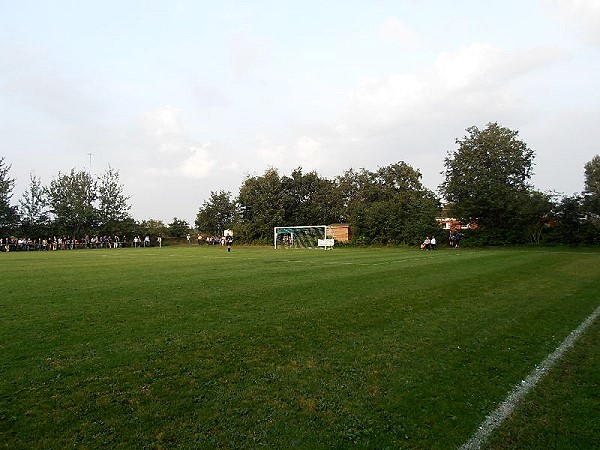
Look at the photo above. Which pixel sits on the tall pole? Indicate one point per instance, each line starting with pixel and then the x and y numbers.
pixel 90 154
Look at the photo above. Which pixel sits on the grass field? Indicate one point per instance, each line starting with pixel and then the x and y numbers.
pixel 195 347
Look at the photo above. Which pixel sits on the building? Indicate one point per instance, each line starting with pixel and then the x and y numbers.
pixel 339 231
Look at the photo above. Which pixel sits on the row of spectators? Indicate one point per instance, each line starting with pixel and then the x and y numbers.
pixel 209 240
pixel 65 243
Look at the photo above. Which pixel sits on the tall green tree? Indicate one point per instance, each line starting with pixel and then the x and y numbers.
pixel 569 227
pixel 487 180
pixel 261 206
pixel 217 214
pixel 389 206
pixel 592 176
pixel 536 215
pixel 8 213
pixel 35 217
pixel 151 227
pixel 72 200
pixel 592 188
pixel 113 204
pixel 179 228
pixel 309 199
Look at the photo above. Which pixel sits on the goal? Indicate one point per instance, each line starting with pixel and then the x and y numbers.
pixel 311 236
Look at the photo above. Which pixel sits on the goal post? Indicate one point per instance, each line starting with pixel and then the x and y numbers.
pixel 308 236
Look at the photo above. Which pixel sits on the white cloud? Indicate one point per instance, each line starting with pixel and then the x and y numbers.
pixel 167 147
pixel 247 53
pixel 583 14
pixel 210 96
pixel 200 163
pixel 307 151
pixel 467 66
pixel 39 83
pixel 311 153
pixel 483 65
pixel 474 79
pixel 381 102
pixel 163 122
pixel 269 153
pixel 393 29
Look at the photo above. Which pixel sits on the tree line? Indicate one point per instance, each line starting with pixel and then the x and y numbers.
pixel 486 184
pixel 75 205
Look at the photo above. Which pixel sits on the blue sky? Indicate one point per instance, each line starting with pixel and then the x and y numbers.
pixel 189 97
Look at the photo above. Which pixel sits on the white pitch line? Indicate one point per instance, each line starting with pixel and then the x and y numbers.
pixel 504 410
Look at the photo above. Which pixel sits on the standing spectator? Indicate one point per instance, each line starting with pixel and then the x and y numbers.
pixel 229 240
pixel 188 237
pixel 433 243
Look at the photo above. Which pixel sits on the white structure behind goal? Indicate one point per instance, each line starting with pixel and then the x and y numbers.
pixel 311 236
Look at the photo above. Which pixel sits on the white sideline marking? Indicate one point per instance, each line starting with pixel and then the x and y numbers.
pixel 504 410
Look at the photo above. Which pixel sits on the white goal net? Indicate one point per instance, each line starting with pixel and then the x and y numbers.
pixel 311 236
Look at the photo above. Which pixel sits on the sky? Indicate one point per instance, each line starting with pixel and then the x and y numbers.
pixel 184 98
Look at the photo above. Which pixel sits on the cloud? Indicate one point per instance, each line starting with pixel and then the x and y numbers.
pixel 309 152
pixel 392 117
pixel 272 154
pixel 31 79
pixel 583 14
pixel 381 102
pixel 475 78
pixel 484 66
pixel 210 96
pixel 200 163
pixel 167 147
pixel 394 30
pixel 247 53
pixel 163 122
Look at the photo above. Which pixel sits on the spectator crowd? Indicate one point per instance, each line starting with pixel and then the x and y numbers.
pixel 66 243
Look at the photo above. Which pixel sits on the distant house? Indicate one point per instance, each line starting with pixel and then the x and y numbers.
pixel 451 224
pixel 339 231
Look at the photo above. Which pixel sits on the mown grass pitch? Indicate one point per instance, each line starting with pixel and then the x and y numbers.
pixel 352 348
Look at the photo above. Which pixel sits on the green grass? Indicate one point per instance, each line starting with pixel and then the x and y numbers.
pixel 563 412
pixel 350 348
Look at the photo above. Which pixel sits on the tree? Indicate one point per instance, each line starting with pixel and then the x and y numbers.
pixel 178 228
pixel 8 214
pixel 113 207
pixel 217 213
pixel 35 218
pixel 592 188
pixel 261 206
pixel 389 206
pixel 592 176
pixel 537 215
pixel 486 180
pixel 569 222
pixel 309 199
pixel 71 198
pixel 152 228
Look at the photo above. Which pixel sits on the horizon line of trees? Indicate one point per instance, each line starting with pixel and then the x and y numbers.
pixel 486 182
pixel 75 205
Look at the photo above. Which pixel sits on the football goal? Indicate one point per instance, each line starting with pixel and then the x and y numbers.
pixel 311 236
